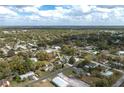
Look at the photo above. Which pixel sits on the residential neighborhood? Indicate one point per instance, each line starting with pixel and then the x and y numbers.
pixel 61 58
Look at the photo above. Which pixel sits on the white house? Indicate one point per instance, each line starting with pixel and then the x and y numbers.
pixel 107 73
pixel 120 52
pixel 50 50
pixel 27 75
pixel 34 59
pixel 56 47
pixel 6 32
pixel 91 65
pixel 48 67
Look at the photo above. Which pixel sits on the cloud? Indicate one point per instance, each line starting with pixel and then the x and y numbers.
pixel 62 15
pixel 7 11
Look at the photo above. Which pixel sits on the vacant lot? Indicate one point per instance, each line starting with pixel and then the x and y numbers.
pixel 46 83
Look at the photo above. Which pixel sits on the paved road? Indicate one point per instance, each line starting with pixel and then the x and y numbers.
pixel 119 82
pixel 121 71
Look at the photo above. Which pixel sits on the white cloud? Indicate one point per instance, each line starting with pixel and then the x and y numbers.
pixel 7 11
pixel 88 17
pixel 106 10
pixel 85 8
pixel 34 17
pixel 105 16
pixel 29 9
pixel 62 15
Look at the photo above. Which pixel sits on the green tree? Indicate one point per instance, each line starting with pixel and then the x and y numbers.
pixel 42 56
pixel 88 57
pixel 68 50
pixel 102 83
pixel 5 70
pixel 72 60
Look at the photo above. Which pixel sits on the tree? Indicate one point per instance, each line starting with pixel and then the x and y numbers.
pixel 88 57
pixel 83 63
pixel 68 50
pixel 5 70
pixel 42 56
pixel 102 83
pixel 17 78
pixel 40 64
pixel 2 54
pixel 72 60
pixel 29 65
pixel 17 65
pixel 11 53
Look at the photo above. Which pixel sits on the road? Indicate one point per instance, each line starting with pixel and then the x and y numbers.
pixel 49 75
pixel 119 82
pixel 121 71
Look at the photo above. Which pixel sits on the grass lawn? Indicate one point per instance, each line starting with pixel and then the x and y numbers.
pixel 18 84
pixel 43 84
pixel 69 72
pixel 92 80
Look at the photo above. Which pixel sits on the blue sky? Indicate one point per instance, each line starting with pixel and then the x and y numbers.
pixel 61 15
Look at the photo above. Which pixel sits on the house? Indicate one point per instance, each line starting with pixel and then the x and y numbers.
pixel 120 52
pixel 49 50
pixel 77 59
pixel 117 64
pixel 48 67
pixel 57 62
pixel 33 78
pixel 106 73
pixel 79 71
pixel 34 59
pixel 90 65
pixel 6 32
pixel 32 47
pixel 4 51
pixel 89 47
pixel 56 47
pixel 65 59
pixel 4 83
pixel 20 47
pixel 30 75
pixel 24 30
pixel 8 47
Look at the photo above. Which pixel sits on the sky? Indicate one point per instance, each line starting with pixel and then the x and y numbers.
pixel 60 15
